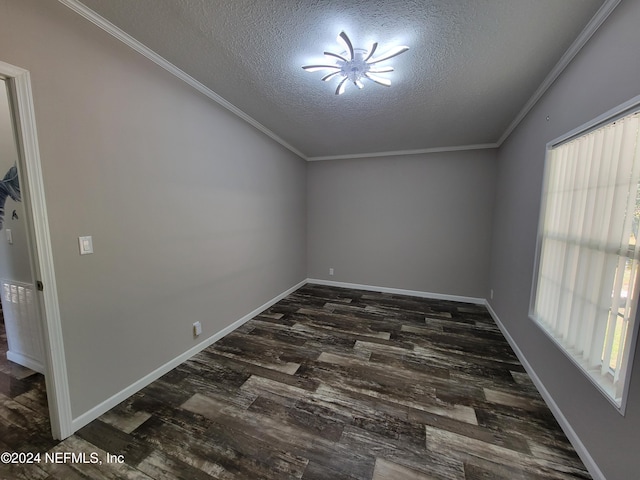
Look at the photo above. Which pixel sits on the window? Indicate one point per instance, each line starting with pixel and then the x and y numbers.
pixel 585 291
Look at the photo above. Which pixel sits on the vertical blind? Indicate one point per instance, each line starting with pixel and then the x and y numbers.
pixel 586 293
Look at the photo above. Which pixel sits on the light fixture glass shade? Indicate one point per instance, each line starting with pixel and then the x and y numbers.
pixel 356 65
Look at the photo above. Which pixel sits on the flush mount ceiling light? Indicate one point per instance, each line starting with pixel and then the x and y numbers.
pixel 356 65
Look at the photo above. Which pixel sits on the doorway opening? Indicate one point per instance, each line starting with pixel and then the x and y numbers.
pixel 27 280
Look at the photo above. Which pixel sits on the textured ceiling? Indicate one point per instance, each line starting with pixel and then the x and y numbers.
pixel 471 68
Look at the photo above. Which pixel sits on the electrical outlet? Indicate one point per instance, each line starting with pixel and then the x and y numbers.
pixel 331 271
pixel 197 329
pixel 491 294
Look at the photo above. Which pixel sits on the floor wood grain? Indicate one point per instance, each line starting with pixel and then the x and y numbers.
pixel 329 383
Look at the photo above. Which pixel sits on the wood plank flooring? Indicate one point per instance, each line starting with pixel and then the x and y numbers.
pixel 328 383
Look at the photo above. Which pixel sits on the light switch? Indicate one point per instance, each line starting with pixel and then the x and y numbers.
pixel 86 245
pixel 9 236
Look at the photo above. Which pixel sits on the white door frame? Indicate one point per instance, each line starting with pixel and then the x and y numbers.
pixel 40 249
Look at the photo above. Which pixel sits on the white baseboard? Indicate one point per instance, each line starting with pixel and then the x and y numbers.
pixel 573 437
pixel 87 417
pixel 583 453
pixel 25 361
pixel 398 291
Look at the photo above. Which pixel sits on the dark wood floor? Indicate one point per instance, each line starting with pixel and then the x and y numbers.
pixel 328 383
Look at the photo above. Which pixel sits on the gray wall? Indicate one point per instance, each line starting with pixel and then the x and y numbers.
pixel 605 74
pixel 197 216
pixel 194 214
pixel 420 222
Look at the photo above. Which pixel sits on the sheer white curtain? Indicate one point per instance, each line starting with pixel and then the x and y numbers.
pixel 588 266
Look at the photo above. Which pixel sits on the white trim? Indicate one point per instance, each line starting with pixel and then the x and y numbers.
pixel 594 24
pixel 619 111
pixel 128 40
pixel 34 363
pixel 573 437
pixel 580 448
pixel 606 393
pixel 57 383
pixel 122 395
pixel 139 47
pixel 398 291
pixel 25 361
pixel 398 153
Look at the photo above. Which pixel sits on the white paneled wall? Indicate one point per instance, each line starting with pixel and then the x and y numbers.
pixel 24 337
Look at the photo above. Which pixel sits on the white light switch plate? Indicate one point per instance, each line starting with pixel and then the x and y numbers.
pixel 86 245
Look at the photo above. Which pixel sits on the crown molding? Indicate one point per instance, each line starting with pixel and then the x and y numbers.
pixel 598 19
pixel 399 153
pixel 594 24
pixel 139 47
pixel 128 40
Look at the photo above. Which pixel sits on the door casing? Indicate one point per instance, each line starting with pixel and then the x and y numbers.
pixel 56 378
